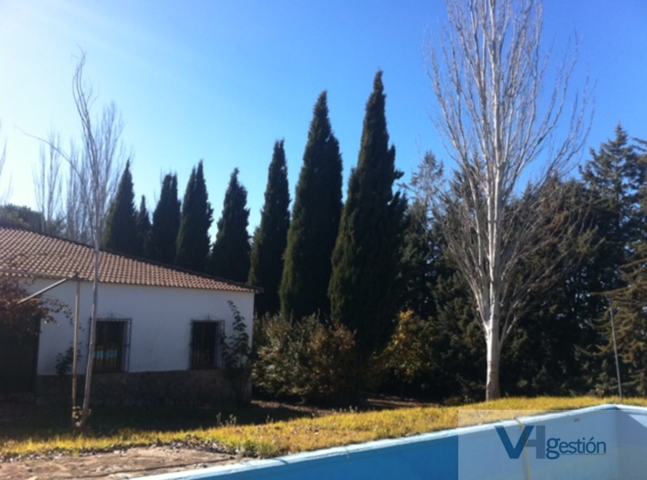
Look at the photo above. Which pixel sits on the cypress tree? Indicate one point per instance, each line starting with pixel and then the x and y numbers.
pixel 230 257
pixel 315 222
pixel 144 230
pixel 166 222
pixel 120 234
pixel 271 237
pixel 364 292
pixel 193 235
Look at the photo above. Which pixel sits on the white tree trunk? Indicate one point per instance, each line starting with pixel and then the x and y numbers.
pixel 492 389
pixel 94 168
pixel 495 121
pixel 75 355
pixel 93 333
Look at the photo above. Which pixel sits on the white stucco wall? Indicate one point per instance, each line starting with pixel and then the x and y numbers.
pixel 160 333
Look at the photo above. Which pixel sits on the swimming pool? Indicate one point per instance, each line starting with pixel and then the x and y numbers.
pixel 599 443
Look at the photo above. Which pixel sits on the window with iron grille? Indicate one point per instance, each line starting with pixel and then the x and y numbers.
pixel 111 345
pixel 206 344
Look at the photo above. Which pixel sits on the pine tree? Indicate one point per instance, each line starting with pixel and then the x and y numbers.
pixel 166 222
pixel 120 234
pixel 271 237
pixel 629 307
pixel 422 248
pixel 628 303
pixel 457 338
pixel 614 179
pixel 230 256
pixel 366 262
pixel 144 230
pixel 315 222
pixel 193 235
pixel 544 353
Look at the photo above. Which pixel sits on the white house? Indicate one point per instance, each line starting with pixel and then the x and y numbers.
pixel 159 328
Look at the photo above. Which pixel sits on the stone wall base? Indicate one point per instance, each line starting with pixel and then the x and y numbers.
pixel 143 389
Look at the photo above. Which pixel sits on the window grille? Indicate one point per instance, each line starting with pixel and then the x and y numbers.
pixel 112 345
pixel 207 337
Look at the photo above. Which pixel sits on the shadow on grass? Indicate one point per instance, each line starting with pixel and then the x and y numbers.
pixel 20 420
pixel 23 421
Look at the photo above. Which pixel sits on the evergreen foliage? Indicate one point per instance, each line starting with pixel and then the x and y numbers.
pixel 144 230
pixel 613 178
pixel 438 322
pixel 315 221
pixel 310 360
pixel 193 235
pixel 545 352
pixel 120 234
pixel 630 316
pixel 271 237
pixel 446 360
pixel 628 302
pixel 25 217
pixel 614 184
pixel 455 336
pixel 230 256
pixel 423 247
pixel 237 355
pixel 166 222
pixel 409 355
pixel 364 289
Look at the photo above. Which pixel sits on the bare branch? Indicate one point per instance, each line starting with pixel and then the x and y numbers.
pixel 496 121
pixel 5 193
pixel 99 163
pixel 93 175
pixel 47 184
pixel 77 216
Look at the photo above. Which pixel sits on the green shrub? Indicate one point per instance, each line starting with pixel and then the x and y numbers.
pixel 310 360
pixel 238 358
pixel 408 359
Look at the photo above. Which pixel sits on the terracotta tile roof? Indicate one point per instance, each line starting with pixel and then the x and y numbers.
pixel 42 255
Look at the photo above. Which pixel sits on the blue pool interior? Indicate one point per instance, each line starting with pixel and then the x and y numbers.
pixel 616 437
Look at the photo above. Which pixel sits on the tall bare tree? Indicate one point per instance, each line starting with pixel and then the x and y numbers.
pixel 48 184
pixel 100 157
pixel 94 166
pixel 489 76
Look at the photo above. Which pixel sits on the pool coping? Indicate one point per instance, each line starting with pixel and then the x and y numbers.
pixel 374 447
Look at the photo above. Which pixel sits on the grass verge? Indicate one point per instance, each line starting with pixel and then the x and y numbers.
pixel 282 437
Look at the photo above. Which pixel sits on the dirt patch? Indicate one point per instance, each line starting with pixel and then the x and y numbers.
pixel 120 464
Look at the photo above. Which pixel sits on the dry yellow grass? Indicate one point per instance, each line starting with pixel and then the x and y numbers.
pixel 280 438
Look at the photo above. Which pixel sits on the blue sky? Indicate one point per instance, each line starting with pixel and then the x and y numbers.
pixel 221 80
